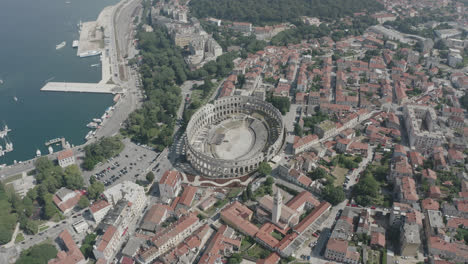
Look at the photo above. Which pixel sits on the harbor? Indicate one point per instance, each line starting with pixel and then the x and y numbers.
pixel 47 114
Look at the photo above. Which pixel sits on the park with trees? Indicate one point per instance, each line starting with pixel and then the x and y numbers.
pixel 105 148
pixel 267 12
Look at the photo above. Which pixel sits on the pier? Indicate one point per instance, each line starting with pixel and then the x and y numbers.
pixel 82 87
pixel 57 140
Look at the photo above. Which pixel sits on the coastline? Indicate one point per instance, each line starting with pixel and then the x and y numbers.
pixel 121 108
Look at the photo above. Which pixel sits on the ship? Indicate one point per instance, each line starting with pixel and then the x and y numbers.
pixel 38 153
pixel 75 43
pixel 92 125
pixel 51 150
pixel 95 65
pixel 15 98
pixel 89 135
pixel 1 81
pixel 90 53
pixel 4 132
pixel 97 120
pixel 61 45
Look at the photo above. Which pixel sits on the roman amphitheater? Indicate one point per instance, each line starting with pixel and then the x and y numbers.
pixel 232 136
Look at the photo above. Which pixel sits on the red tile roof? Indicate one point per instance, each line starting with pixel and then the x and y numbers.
pixel 273 258
pixel 188 195
pixel 378 239
pixel 312 217
pixel 65 154
pixel 300 199
pixel 72 254
pixel 170 178
pixel 106 238
pixel 429 204
pixel 99 205
pixel 68 204
pixel 337 245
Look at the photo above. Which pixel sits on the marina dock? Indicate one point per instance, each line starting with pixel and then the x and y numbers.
pixel 81 87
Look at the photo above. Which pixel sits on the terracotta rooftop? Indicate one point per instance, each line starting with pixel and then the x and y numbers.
pixel 170 178
pixel 99 205
pixel 429 204
pixel 187 196
pixel 65 154
pixel 337 245
pixel 378 239
pixel 300 199
pixel 312 217
pixel 72 254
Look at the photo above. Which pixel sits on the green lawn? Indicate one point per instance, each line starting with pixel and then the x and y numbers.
pixel 245 244
pixel 258 252
pixel 374 257
pixel 277 235
pixel 42 228
pixel 339 173
pixel 19 238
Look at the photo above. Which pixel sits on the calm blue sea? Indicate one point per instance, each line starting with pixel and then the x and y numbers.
pixel 29 31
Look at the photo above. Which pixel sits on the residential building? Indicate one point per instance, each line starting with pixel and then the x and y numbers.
pixel 221 245
pixel 70 253
pixel 410 240
pixel 66 199
pixel 304 143
pixel 169 237
pixel 421 127
pixel 99 209
pixel 170 185
pixel 325 129
pixel 338 250
pixel 155 216
pixel 66 158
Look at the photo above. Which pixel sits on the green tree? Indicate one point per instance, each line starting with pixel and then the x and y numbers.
pixel 150 176
pixel 235 258
pixel 298 130
pixel 72 177
pixel 245 198
pixel 318 173
pixel 264 168
pixel 87 246
pixel 49 210
pixel 37 254
pixel 269 181
pixel 249 191
pixel 333 195
pixel 95 190
pixel 83 202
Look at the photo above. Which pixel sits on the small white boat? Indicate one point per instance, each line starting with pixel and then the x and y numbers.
pixel 15 98
pixel 92 125
pixel 51 150
pixel 38 153
pixel 61 45
pixel 67 2
pixel 1 81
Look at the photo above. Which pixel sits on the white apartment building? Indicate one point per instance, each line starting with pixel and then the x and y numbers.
pixel 421 127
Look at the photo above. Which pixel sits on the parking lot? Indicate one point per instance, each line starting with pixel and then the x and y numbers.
pixel 132 164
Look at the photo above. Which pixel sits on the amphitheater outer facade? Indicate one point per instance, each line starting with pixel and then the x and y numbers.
pixel 262 119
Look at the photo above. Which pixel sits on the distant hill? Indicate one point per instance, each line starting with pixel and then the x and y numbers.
pixel 261 12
